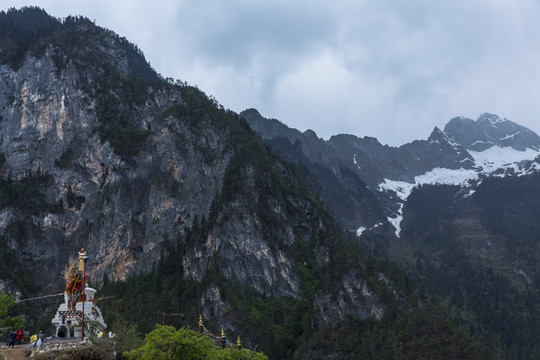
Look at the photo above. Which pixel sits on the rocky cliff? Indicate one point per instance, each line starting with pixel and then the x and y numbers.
pixel 121 163
pixel 120 207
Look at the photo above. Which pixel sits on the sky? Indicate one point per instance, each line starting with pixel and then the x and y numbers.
pixel 391 69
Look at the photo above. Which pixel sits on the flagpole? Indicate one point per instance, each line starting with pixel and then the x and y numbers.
pixel 84 259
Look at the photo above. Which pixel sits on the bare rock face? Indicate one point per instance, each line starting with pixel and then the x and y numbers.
pixel 354 297
pixel 119 208
pixel 213 304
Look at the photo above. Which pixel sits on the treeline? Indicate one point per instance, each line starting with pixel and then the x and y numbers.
pixel 31 30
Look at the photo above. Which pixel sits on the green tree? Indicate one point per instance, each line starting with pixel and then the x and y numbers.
pixel 167 343
pixel 127 337
pixel 6 303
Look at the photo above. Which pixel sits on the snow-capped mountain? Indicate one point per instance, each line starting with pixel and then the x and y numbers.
pixel 487 147
pixel 490 130
pixel 464 153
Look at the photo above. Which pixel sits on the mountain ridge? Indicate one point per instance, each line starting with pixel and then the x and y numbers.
pixel 451 148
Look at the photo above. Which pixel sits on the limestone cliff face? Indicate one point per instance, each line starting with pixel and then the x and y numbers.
pixel 119 208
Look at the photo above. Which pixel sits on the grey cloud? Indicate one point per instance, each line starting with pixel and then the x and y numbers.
pixel 237 33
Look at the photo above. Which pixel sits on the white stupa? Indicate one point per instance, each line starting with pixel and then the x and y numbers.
pixel 68 322
pixel 68 318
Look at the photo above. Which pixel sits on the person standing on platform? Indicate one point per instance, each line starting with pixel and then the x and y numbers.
pixel 12 338
pixel 40 339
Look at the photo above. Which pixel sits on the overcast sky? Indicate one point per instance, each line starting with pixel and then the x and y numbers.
pixel 392 69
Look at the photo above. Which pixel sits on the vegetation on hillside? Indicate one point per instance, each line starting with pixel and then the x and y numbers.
pixel 7 319
pixel 460 249
pixel 30 31
pixel 285 328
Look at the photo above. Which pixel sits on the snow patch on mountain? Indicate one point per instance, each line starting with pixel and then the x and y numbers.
pixel 481 142
pixel 507 137
pixel 502 160
pixel 436 176
pixel 497 157
pixel 396 222
pixel 402 190
pixel 361 229
pixel 496 120
pixel 447 177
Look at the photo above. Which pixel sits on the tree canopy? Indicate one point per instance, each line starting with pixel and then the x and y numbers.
pixel 7 321
pixel 165 342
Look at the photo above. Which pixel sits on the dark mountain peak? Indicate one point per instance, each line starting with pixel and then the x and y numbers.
pixel 437 135
pixel 468 133
pixel 311 134
pixel 269 128
pixel 364 143
pixel 459 122
pixel 251 113
pixel 489 118
pixel 490 130
pixel 440 150
pixel 371 140
pixel 343 138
